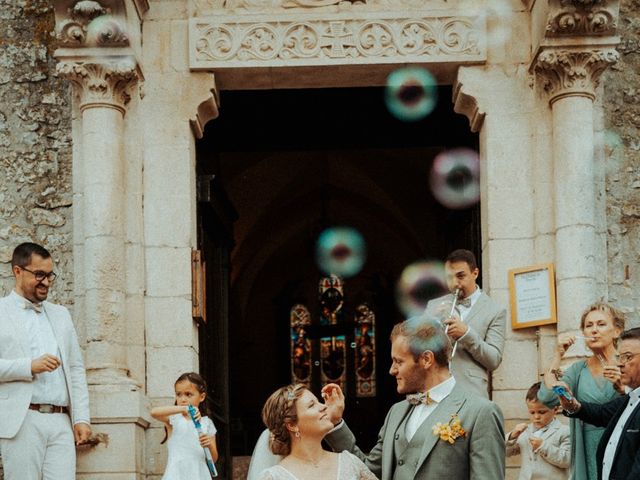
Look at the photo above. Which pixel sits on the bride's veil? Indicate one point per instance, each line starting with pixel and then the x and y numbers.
pixel 262 457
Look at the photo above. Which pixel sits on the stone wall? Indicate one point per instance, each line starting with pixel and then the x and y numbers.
pixel 35 143
pixel 622 145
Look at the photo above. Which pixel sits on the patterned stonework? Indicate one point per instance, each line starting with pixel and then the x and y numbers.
pixel 88 23
pixel 569 72
pixel 206 6
pixel 582 17
pixel 103 84
pixel 219 42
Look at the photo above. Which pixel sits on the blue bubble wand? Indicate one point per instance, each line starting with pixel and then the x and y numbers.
pixel 207 452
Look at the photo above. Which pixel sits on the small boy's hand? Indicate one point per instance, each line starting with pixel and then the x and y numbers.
pixel 535 442
pixel 517 431
pixel 205 440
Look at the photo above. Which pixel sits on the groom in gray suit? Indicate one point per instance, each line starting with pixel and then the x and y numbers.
pixel 440 430
pixel 44 401
pixel 477 326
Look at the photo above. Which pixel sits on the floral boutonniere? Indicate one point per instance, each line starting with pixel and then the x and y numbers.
pixel 450 432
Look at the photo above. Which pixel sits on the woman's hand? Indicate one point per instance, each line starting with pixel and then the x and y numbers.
pixel 613 374
pixel 334 400
pixel 565 340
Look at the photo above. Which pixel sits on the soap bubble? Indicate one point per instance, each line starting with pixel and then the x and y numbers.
pixel 341 251
pixel 455 178
pixel 419 283
pixel 411 93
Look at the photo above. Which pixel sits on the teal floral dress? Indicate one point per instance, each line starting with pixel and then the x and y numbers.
pixel 585 437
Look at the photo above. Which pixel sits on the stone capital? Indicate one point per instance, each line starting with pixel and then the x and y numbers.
pixel 104 84
pixel 582 18
pixel 90 23
pixel 565 72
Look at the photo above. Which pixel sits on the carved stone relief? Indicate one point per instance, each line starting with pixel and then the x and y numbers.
pixel 101 84
pixel 567 72
pixel 334 40
pixel 204 7
pixel 582 17
pixel 88 23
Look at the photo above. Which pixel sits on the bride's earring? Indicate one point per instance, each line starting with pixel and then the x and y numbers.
pixel 297 433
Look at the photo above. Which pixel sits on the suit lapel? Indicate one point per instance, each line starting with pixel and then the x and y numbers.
pixel 442 414
pixel 477 308
pixel 56 331
pixel 16 319
pixel 551 429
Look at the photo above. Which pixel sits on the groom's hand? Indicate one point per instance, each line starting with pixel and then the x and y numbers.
pixel 334 400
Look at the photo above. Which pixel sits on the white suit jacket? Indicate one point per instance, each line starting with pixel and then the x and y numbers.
pixel 16 385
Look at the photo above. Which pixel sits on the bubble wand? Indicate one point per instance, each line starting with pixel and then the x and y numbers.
pixel 207 452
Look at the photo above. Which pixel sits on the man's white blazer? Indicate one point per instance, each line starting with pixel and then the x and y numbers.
pixel 16 385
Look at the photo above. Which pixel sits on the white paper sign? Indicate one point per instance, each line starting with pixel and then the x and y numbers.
pixel 533 298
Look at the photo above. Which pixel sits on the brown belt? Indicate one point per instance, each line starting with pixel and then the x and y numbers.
pixel 48 408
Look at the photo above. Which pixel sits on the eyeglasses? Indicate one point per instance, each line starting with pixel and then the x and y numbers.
pixel 625 357
pixel 40 275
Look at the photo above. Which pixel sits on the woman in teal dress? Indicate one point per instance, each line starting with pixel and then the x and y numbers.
pixel 595 380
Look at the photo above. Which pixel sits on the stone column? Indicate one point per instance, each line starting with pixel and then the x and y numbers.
pixel 102 88
pixel 570 77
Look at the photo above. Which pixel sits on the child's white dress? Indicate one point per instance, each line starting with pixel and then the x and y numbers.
pixel 186 456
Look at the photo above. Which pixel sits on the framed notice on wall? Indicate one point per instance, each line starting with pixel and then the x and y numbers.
pixel 532 292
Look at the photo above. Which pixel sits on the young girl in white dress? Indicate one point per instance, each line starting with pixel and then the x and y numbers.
pixel 186 455
pixel 297 423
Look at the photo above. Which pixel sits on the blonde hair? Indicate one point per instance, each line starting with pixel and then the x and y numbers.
pixel 424 333
pixel 279 411
pixel 617 317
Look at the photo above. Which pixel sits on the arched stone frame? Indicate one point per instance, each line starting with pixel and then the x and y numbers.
pixel 160 116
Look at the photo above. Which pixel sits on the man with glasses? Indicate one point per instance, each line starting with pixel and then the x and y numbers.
pixel 44 401
pixel 618 453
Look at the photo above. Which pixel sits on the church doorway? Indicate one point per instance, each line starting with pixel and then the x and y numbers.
pixel 274 170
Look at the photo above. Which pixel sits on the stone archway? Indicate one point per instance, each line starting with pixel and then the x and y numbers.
pixel 134 160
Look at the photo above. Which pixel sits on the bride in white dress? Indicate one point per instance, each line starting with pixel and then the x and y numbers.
pixel 297 423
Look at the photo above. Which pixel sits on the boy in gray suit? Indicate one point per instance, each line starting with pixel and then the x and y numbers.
pixel 477 325
pixel 439 430
pixel 544 444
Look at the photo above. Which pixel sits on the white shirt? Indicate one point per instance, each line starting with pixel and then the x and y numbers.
pixel 48 387
pixel 614 439
pixel 422 411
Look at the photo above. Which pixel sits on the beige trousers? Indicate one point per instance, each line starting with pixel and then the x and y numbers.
pixel 43 449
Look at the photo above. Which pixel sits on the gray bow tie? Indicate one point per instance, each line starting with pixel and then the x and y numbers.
pixel 418 398
pixel 464 302
pixel 36 307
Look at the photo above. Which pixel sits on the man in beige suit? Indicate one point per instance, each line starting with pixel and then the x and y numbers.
pixel 44 401
pixel 477 326
pixel 440 431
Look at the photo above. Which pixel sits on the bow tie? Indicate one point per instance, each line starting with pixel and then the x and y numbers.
pixel 36 307
pixel 464 302
pixel 418 398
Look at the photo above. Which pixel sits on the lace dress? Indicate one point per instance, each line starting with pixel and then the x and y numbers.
pixel 186 456
pixel 350 467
